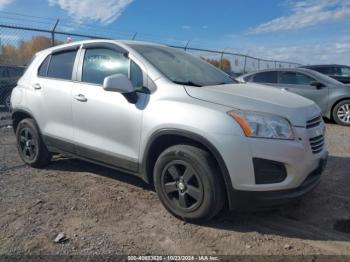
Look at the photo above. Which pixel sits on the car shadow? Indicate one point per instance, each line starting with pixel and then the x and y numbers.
pixel 76 165
pixel 315 218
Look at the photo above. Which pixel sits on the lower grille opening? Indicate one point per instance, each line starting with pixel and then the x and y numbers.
pixel 268 171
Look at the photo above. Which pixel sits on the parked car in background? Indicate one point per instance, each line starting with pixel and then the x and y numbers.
pixel 9 76
pixel 338 72
pixel 172 119
pixel 332 96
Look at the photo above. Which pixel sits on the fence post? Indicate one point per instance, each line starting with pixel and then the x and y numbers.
pixel 134 36
pixel 53 33
pixel 221 59
pixel 245 64
pixel 188 42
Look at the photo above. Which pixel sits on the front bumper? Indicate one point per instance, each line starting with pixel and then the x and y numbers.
pixel 252 200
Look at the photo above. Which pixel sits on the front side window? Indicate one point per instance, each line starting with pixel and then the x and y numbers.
pixel 266 77
pixel 136 75
pixel 61 65
pixel 182 68
pixel 100 63
pixel 345 71
pixel 292 78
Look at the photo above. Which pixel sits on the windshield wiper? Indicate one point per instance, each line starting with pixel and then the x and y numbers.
pixel 187 83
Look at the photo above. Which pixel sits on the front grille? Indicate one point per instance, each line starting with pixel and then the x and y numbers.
pixel 314 122
pixel 317 144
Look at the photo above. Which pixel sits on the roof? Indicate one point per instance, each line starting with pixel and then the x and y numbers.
pixel 122 42
pixel 295 69
pixel 322 65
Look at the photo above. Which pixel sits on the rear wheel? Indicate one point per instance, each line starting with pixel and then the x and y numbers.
pixel 189 183
pixel 341 113
pixel 30 146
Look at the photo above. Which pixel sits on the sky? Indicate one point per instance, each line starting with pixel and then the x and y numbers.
pixel 304 31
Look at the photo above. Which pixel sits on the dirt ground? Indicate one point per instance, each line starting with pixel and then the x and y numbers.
pixel 102 211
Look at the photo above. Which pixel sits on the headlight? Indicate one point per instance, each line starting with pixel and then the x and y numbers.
pixel 255 124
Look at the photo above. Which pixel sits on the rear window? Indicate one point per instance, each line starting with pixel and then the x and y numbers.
pixel 265 77
pixel 61 65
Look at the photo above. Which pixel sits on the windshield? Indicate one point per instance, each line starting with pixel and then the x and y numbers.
pixel 182 68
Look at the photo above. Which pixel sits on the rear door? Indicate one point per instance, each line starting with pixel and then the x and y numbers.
pixel 300 84
pixel 50 98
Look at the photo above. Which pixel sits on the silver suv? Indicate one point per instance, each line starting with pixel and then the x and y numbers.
pixel 175 121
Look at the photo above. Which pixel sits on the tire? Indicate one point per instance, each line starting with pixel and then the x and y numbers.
pixel 189 183
pixel 31 147
pixel 341 113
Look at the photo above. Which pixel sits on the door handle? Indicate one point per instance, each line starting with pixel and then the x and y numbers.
pixel 285 89
pixel 80 98
pixel 37 86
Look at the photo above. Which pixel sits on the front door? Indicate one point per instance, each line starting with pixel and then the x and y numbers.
pixel 301 84
pixel 107 126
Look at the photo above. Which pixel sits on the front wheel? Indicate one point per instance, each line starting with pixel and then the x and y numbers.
pixel 189 183
pixel 30 146
pixel 341 113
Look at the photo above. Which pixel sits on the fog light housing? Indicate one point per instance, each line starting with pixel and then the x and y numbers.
pixel 268 171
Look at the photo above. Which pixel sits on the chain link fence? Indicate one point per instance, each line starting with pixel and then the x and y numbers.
pixel 19 41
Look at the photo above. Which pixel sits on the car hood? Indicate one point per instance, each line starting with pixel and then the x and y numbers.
pixel 295 108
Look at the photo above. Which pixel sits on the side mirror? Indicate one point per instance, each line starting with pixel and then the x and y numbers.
pixel 118 83
pixel 317 84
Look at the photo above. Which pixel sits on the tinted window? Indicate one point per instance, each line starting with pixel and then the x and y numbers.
pixel 100 63
pixel 61 65
pixel 265 77
pixel 324 70
pixel 43 67
pixel 293 78
pixel 136 75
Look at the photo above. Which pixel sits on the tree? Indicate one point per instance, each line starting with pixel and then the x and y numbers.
pixel 21 54
pixel 224 64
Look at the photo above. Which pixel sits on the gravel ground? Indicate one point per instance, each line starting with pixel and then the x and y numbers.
pixel 102 211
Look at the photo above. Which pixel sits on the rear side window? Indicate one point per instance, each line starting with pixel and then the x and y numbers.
pixel 324 70
pixel 292 78
pixel 44 66
pixel 61 65
pixel 265 77
pixel 101 62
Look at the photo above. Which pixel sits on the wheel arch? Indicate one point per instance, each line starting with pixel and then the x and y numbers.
pixel 335 103
pixel 18 115
pixel 164 138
